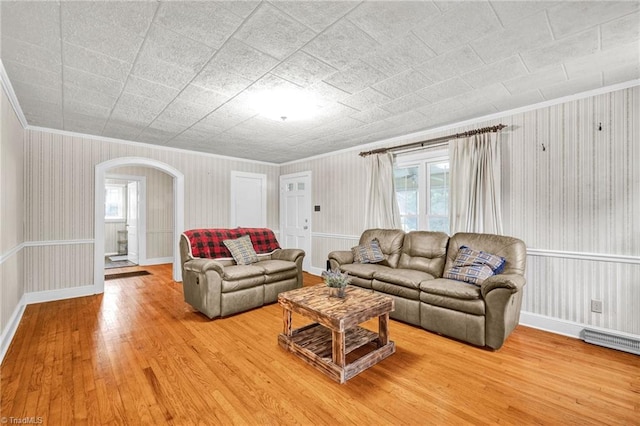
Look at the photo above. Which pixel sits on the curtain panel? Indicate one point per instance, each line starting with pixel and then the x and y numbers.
pixel 475 202
pixel 382 207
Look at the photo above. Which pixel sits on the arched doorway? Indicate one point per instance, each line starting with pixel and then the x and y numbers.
pixel 178 206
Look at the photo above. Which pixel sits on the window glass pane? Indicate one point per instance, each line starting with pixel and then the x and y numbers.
pixel 409 223
pixel 439 223
pixel 114 202
pixel 300 186
pixel 406 181
pixel 439 189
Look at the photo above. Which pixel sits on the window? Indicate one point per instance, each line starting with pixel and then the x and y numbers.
pixel 422 191
pixel 114 205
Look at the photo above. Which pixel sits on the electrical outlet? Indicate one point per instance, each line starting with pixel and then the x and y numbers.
pixel 596 306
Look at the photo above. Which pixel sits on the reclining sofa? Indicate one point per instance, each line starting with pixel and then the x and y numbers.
pixel 214 284
pixel 412 273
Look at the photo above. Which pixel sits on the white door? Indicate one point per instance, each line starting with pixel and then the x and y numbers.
pixel 132 221
pixel 248 200
pixel 295 214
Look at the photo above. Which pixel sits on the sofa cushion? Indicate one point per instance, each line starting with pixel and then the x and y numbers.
pixel 475 274
pixel 404 277
pixel 368 253
pixel 390 243
pixel 451 288
pixel 512 249
pixel 474 306
pixel 424 251
pixel 395 290
pixel 273 266
pixel 239 272
pixel 363 270
pixel 242 250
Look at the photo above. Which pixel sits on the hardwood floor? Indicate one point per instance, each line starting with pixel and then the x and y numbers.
pixel 139 355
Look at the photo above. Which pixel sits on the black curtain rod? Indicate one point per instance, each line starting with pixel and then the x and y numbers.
pixel 428 142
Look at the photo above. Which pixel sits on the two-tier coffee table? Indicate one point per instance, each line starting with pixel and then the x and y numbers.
pixel 335 333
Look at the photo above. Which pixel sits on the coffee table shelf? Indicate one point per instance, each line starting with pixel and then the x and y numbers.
pixel 317 339
pixel 325 343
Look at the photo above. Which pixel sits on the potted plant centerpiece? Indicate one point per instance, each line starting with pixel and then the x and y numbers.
pixel 336 281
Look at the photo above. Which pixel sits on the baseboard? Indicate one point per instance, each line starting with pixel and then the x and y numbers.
pixel 60 294
pixel 12 326
pixel 315 271
pixel 553 325
pixel 157 261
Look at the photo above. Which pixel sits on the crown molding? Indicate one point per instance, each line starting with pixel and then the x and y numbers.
pixel 11 95
pixel 412 137
pixel 145 145
pixel 417 136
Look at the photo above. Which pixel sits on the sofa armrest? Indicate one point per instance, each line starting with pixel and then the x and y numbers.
pixel 204 265
pixel 341 256
pixel 287 254
pixel 511 282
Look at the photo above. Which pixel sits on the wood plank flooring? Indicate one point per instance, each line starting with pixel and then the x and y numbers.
pixel 139 355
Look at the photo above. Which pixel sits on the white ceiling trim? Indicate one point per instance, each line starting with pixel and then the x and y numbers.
pixel 11 95
pixel 145 145
pixel 414 137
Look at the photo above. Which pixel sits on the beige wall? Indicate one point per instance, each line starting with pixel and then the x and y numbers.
pixel 11 211
pixel 60 174
pixel 579 195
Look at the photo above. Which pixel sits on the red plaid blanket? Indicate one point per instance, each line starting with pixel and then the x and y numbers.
pixel 207 243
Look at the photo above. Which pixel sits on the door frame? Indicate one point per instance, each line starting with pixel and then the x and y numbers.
pixel 263 207
pixel 142 212
pixel 178 213
pixel 307 173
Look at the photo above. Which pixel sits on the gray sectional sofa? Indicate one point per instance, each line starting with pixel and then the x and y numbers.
pixel 412 271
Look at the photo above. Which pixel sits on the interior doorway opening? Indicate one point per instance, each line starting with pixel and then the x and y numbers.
pixel 177 194
pixel 124 221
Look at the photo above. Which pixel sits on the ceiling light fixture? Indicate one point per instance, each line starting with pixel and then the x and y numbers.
pixel 285 105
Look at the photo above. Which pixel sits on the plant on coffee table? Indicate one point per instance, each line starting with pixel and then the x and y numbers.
pixel 336 280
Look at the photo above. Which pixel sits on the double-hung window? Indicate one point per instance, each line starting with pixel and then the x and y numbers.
pixel 422 191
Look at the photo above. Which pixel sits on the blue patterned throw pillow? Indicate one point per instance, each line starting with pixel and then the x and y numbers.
pixel 368 253
pixel 472 266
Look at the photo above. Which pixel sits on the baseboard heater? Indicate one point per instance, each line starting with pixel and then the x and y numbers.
pixel 613 341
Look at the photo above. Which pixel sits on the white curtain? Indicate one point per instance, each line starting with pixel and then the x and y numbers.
pixel 474 200
pixel 382 207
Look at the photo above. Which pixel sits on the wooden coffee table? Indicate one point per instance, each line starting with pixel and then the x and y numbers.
pixel 335 333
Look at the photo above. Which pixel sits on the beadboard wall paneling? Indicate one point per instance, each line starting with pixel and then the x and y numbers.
pixel 111 236
pixel 11 212
pixel 322 245
pixel 56 267
pixel 160 244
pixel 159 209
pixel 580 192
pixel 60 173
pixel 563 288
pixel 11 177
pixel 12 288
pixel 60 183
pixel 339 188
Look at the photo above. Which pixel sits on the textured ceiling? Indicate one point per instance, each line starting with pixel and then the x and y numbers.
pixel 186 74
